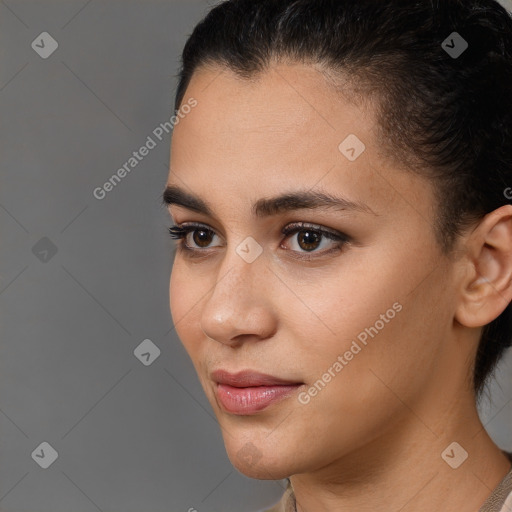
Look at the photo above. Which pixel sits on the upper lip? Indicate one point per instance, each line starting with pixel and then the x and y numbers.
pixel 248 378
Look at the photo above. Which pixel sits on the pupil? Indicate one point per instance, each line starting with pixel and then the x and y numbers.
pixel 310 237
pixel 202 238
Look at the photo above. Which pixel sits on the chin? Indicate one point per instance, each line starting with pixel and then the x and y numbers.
pixel 256 463
pixel 261 470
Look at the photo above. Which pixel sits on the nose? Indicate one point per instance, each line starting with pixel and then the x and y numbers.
pixel 240 306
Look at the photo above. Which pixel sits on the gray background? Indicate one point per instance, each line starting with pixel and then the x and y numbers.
pixel 129 437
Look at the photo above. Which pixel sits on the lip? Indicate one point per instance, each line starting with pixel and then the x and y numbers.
pixel 249 378
pixel 248 392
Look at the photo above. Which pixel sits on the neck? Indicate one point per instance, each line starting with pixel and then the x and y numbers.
pixel 403 470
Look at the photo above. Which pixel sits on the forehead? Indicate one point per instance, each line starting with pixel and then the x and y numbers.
pixel 288 102
pixel 288 125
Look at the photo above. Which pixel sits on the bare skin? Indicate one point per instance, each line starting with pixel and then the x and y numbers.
pixel 372 438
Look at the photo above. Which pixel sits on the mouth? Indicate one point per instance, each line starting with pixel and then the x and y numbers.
pixel 248 392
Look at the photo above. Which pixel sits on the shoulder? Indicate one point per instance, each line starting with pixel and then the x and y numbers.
pixel 500 499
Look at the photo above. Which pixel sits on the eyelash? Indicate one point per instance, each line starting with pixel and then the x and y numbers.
pixel 180 232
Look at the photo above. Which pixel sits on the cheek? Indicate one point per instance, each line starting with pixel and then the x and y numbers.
pixel 184 303
pixel 352 386
pixel 374 329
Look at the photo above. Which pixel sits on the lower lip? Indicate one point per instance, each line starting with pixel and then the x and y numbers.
pixel 253 399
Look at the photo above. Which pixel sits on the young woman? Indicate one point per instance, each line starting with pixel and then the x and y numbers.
pixel 341 193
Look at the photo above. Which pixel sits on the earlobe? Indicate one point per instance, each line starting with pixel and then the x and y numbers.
pixel 487 288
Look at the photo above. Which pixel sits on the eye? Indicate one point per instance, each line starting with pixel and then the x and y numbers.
pixel 311 237
pixel 201 235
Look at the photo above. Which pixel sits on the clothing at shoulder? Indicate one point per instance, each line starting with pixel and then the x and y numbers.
pixel 286 503
pixel 500 500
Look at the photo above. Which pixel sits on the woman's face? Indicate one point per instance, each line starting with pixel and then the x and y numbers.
pixel 359 329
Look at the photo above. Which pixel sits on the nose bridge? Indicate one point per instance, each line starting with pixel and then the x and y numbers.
pixel 235 303
pixel 241 265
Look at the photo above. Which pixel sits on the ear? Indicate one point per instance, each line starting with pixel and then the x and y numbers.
pixel 486 289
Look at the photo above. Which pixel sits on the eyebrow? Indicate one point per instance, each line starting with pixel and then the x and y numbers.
pixel 266 207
